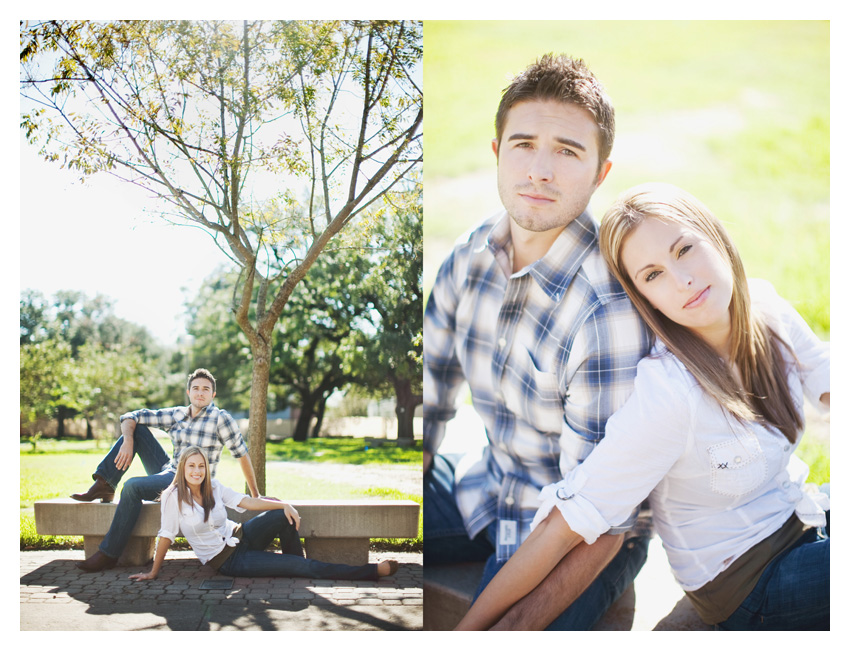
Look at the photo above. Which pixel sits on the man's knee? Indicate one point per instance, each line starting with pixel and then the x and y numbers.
pixel 132 488
pixel 142 430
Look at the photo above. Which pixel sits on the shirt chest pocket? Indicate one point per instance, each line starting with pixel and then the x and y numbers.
pixel 531 394
pixel 738 466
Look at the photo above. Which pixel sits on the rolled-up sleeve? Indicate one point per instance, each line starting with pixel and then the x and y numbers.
pixel 169 515
pixel 231 435
pixel 160 418
pixel 231 498
pixel 642 442
pixel 615 339
pixel 812 353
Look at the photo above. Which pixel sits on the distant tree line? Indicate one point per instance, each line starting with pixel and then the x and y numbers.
pixel 354 324
pixel 79 360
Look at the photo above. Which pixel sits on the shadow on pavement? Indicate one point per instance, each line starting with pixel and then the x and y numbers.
pixel 66 598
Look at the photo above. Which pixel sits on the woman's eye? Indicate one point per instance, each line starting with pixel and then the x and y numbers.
pixel 651 276
pixel 684 250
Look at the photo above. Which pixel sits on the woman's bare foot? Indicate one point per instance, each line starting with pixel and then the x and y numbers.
pixel 387 568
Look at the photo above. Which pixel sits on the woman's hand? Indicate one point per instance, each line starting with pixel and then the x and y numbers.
pixel 292 515
pixel 145 576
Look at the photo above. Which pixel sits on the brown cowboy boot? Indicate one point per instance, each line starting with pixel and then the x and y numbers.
pixel 98 562
pixel 100 489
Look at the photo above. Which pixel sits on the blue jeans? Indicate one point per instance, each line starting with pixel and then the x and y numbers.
pixel 136 489
pixel 446 541
pixel 793 592
pixel 251 559
pixel 444 534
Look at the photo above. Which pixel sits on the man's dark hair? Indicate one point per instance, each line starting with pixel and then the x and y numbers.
pixel 562 79
pixel 200 372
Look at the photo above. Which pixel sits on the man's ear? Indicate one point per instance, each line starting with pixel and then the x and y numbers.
pixel 495 145
pixel 603 172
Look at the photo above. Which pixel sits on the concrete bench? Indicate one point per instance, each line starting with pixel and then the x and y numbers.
pixel 655 602
pixel 333 530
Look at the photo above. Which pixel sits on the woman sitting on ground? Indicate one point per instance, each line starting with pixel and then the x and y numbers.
pixel 709 432
pixel 194 504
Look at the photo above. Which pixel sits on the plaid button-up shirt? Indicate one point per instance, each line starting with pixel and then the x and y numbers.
pixel 210 430
pixel 549 353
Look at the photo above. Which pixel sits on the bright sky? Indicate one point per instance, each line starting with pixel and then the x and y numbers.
pixel 105 237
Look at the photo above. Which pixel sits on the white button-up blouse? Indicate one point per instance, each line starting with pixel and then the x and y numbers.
pixel 717 487
pixel 208 538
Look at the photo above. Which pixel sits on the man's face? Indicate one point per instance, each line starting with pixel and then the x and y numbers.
pixel 200 392
pixel 548 163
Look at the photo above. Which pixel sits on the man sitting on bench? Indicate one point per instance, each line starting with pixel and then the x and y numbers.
pixel 200 424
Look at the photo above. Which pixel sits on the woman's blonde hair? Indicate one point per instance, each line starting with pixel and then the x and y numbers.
pixel 184 493
pixel 755 348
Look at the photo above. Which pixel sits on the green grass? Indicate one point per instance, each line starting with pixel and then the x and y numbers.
pixel 59 468
pixel 647 67
pixel 816 455
pixel 344 450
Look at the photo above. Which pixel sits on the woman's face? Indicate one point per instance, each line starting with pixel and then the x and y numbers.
pixel 682 275
pixel 195 470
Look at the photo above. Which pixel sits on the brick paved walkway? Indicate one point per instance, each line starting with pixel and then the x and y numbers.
pixel 55 595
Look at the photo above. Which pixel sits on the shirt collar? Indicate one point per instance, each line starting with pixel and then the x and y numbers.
pixel 554 271
pixel 209 407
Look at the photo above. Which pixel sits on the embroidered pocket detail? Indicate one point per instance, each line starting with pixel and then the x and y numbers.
pixel 738 466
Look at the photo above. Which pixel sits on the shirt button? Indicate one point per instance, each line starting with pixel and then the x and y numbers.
pixel 786 484
pixel 502 342
pixel 737 459
pixel 787 447
pixel 509 500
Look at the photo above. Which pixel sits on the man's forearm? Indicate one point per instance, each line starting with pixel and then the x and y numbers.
pixel 128 428
pixel 529 566
pixel 567 581
pixel 250 478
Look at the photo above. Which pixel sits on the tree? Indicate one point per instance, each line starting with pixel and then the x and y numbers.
pixel 201 114
pixel 43 370
pixel 393 289
pixel 105 382
pixel 313 343
pixel 78 357
pixel 314 347
pixel 218 342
